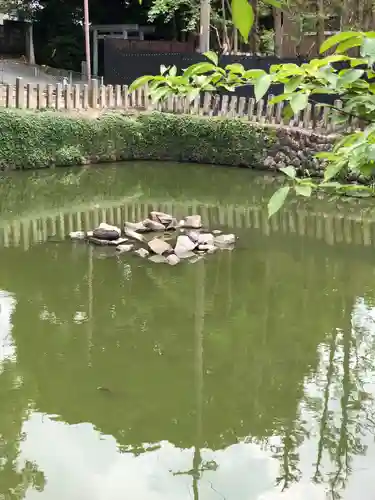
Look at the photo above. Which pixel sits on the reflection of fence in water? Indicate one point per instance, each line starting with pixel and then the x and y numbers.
pixel 331 228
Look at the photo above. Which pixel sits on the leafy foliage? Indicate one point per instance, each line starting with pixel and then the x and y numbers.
pixel 48 138
pixel 339 74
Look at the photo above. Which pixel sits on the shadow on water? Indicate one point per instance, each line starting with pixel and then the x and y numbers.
pixel 248 375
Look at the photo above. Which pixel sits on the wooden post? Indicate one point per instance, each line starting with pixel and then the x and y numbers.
pixel 110 96
pixel 29 96
pixel 40 96
pixel 125 96
pixel 49 96
pixel 68 96
pixel 118 97
pixel 85 96
pixel 94 94
pixel 250 109
pixel 9 95
pixel 77 96
pixel 58 90
pixel 20 93
pixel 102 97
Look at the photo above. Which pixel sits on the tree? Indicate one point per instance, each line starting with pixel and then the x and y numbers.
pixel 339 74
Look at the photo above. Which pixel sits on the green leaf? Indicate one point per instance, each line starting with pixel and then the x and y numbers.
pixel 289 171
pixel 261 86
pixel 279 98
pixel 303 190
pixel 274 3
pixel 332 170
pixel 173 71
pixel 199 68
pixel 350 76
pixel 139 82
pixel 212 56
pixel 293 84
pixel 277 200
pixel 254 73
pixel 299 102
pixel 334 185
pixel 349 44
pixel 242 17
pixel 368 47
pixel 235 68
pixel 338 38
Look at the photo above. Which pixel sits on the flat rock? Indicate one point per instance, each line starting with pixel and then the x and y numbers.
pixel 162 217
pixel 142 252
pixel 193 235
pixel 77 235
pixel 105 234
pixel 224 240
pixel 134 235
pixel 124 248
pixel 216 232
pixel 193 221
pixel 207 248
pixel 98 241
pixel 135 226
pixel 206 239
pixel 152 225
pixel 186 255
pixel 109 227
pixel 159 246
pixel 157 259
pixel 184 244
pixel 172 259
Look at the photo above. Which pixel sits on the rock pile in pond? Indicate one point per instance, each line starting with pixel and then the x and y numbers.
pixel 160 238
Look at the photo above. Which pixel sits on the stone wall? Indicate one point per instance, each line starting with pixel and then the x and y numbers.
pixel 297 147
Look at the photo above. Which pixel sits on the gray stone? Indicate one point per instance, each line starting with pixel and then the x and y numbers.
pixel 124 248
pixel 109 227
pixel 157 259
pixel 135 226
pixel 186 255
pixel 184 244
pixel 142 252
pixel 172 225
pixel 105 234
pixel 208 248
pixel 224 240
pixel 168 221
pixel 159 246
pixel 172 259
pixel 98 241
pixel 77 235
pixel 193 235
pixel 134 235
pixel 206 239
pixel 193 221
pixel 153 225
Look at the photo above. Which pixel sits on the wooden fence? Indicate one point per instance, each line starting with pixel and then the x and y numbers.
pixel 330 228
pixel 85 97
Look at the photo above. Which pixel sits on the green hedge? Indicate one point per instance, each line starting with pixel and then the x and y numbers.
pixel 32 139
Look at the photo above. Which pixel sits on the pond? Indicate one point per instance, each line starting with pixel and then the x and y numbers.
pixel 249 375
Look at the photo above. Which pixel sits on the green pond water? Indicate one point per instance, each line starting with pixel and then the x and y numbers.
pixel 249 375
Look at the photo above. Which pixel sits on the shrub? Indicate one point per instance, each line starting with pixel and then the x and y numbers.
pixel 32 139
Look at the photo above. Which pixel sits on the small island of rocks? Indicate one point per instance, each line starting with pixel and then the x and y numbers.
pixel 161 238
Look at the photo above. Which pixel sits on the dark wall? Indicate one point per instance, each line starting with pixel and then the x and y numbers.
pixel 122 67
pixel 13 38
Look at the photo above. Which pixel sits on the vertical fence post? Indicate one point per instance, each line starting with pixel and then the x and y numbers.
pixel 94 94
pixel 20 93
